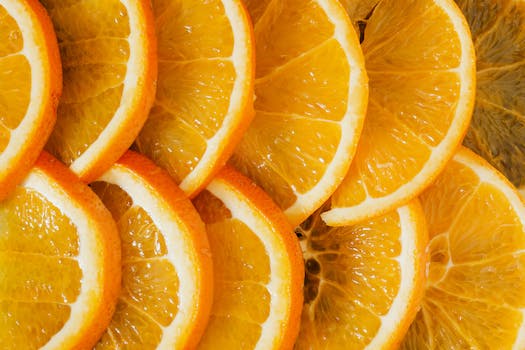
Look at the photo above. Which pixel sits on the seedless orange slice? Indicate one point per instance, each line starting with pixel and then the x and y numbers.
pixel 59 262
pixel 166 263
pixel 363 282
pixel 204 97
pixel 311 93
pixel 420 60
pixel 108 52
pixel 476 274
pixel 257 266
pixel 30 85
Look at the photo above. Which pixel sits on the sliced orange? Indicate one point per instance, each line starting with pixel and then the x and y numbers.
pixel 30 85
pixel 166 263
pixel 258 267
pixel 204 99
pixel 108 52
pixel 420 60
pixel 363 282
pixel 476 274
pixel 311 92
pixel 59 262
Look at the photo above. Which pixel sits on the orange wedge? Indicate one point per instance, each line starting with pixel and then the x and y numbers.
pixel 476 274
pixel 109 60
pixel 59 262
pixel 364 282
pixel 258 267
pixel 311 93
pixel 166 263
pixel 420 60
pixel 30 85
pixel 204 99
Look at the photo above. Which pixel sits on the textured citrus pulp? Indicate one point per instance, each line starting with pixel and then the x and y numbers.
pixel 363 282
pixel 420 61
pixel 497 129
pixel 258 268
pixel 59 262
pixel 311 92
pixel 204 97
pixel 109 66
pixel 166 264
pixel 476 273
pixel 30 84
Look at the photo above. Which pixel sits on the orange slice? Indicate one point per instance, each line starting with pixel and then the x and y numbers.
pixel 30 85
pixel 364 282
pixel 311 93
pixel 420 60
pixel 109 66
pixel 166 264
pixel 204 99
pixel 476 274
pixel 59 262
pixel 257 266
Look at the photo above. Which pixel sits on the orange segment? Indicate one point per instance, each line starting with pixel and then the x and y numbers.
pixel 204 98
pixel 60 262
pixel 30 84
pixel 109 65
pixel 420 60
pixel 166 265
pixel 257 266
pixel 311 91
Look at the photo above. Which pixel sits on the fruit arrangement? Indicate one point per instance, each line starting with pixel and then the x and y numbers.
pixel 262 174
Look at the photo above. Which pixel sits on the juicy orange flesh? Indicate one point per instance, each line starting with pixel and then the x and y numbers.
pixel 39 273
pixel 475 284
pixel 413 91
pixel 15 77
pixel 497 127
pixel 241 271
pixel 196 77
pixel 94 49
pixel 352 278
pixel 302 92
pixel 150 283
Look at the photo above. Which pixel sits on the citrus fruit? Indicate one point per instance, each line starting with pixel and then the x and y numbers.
pixel 496 132
pixel 363 282
pixel 109 67
pixel 420 60
pixel 258 267
pixel 166 265
pixel 30 85
pixel 204 98
pixel 311 92
pixel 59 262
pixel 476 271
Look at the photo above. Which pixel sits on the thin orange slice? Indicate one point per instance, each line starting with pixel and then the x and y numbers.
pixel 59 262
pixel 420 60
pixel 204 99
pixel 258 267
pixel 108 51
pixel 166 263
pixel 30 85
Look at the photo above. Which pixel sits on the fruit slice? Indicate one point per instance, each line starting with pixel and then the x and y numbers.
pixel 420 60
pixel 109 66
pixel 498 123
pixel 476 274
pixel 30 85
pixel 59 262
pixel 204 99
pixel 258 267
pixel 364 282
pixel 311 93
pixel 166 264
